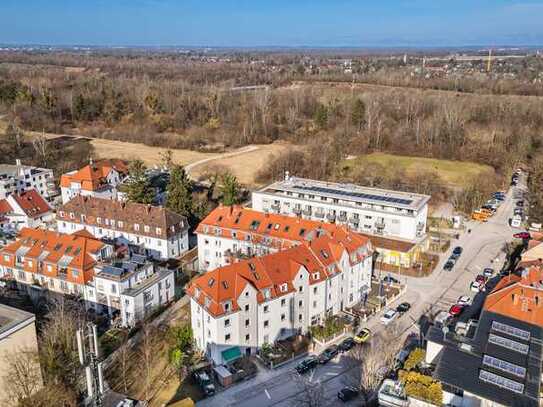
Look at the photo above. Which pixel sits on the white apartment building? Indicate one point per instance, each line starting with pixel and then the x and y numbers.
pixel 24 210
pixel 18 178
pixel 231 232
pixel 264 299
pixel 379 212
pixel 134 286
pixel 161 232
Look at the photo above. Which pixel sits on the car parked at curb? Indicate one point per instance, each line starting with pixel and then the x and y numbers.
pixel 328 354
pixel 391 280
pixel 449 265
pixel 362 336
pixel 307 364
pixel 456 310
pixel 522 235
pixel 346 344
pixel 476 286
pixel 464 300
pixel 205 383
pixel 403 307
pixel 488 272
pixel 347 394
pixel 389 316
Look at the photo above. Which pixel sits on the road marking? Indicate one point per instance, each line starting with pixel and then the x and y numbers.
pixel 312 374
pixel 267 394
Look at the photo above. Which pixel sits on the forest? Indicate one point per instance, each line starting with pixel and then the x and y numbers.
pixel 191 103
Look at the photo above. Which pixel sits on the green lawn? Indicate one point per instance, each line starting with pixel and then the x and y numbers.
pixel 454 173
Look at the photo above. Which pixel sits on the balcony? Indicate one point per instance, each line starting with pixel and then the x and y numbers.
pixel 319 214
pixel 354 221
pixel 307 212
pixel 276 207
pixel 342 217
pixel 297 211
pixel 331 217
pixel 63 275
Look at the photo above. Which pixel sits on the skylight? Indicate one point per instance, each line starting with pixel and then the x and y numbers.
pixel 211 282
pixel 501 381
pixel 255 224
pixel 510 330
pixel 504 366
pixel 508 344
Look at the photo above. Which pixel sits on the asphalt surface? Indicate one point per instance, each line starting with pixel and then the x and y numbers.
pixel 482 248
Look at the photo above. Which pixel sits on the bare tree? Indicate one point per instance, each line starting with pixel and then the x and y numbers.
pixel 147 353
pixel 124 359
pixel 22 376
pixel 309 394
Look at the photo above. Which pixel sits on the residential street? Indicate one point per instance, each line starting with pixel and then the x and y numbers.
pixel 482 248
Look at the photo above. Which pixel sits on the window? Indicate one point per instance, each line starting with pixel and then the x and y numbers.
pixel 247 308
pixel 501 381
pixel 72 215
pixel 314 304
pixel 75 273
pixel 510 330
pixel 315 290
pixel 99 220
pixel 283 317
pixel 283 302
pixel 284 288
pixel 247 337
pixel 301 289
pixel 227 322
pixel 266 324
pixel 266 308
pixel 316 276
pixel 300 317
pixel 504 366
pixel 49 268
pixel 146 229
pixel 158 231
pixel 226 337
pixel 247 322
pixel 508 344
pixel 113 288
pixel 136 227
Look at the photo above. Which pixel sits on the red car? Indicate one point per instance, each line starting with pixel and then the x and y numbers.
pixel 521 235
pixel 456 310
pixel 480 279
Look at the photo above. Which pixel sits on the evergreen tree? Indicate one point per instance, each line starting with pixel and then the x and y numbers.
pixel 180 192
pixel 321 116
pixel 139 188
pixel 358 113
pixel 230 190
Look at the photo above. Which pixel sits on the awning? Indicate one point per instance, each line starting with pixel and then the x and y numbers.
pixel 229 355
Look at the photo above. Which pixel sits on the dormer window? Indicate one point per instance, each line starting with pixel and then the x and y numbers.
pixel 196 292
pixel 99 220
pixel 61 213
pixel 136 227
pixel 120 223
pixel 267 293
pixel 158 231
pixel 227 306
pixel 284 288
pixel 72 216
pixel 207 302
pixel 316 276
pixel 146 229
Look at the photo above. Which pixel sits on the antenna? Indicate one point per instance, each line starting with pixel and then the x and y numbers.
pixel 89 352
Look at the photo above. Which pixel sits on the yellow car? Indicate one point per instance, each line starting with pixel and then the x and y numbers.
pixel 362 336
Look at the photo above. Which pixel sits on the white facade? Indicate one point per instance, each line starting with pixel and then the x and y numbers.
pixel 276 318
pixel 19 178
pixel 379 212
pixel 174 246
pixel 17 218
pixel 137 294
pixel 107 191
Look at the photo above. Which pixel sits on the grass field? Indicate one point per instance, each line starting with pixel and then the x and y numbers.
pixel 453 173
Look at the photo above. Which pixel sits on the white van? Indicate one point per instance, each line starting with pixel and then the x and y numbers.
pixel 516 221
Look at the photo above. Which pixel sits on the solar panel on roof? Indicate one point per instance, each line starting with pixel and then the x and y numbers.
pixel 113 271
pixel 362 195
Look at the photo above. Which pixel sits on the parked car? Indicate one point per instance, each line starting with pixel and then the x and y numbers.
pixel 448 266
pixel 488 272
pixel 389 316
pixel 307 364
pixel 328 354
pixel 391 280
pixel 456 310
pixel 346 345
pixel 203 380
pixel 401 357
pixel 481 279
pixel 476 286
pixel 403 307
pixel 518 211
pixel 464 300
pixel 362 336
pixel 457 251
pixel 522 235
pixel 520 204
pixel 347 394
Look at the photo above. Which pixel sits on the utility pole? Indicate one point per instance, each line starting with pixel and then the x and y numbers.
pixel 89 354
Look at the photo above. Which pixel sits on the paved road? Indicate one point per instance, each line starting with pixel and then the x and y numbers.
pixel 482 248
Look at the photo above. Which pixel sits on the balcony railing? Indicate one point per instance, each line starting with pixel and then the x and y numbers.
pixel 354 221
pixel 319 214
pixel 307 211
pixel 297 211
pixel 342 217
pixel 276 206
pixel 331 216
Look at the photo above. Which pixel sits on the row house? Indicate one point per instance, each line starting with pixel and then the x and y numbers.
pixel 133 286
pixel 161 232
pixel 249 303
pixel 17 178
pixel 100 179
pixel 61 263
pixel 25 209
pixel 384 214
pixel 231 232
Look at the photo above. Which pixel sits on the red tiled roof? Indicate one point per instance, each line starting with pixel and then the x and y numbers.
pixel 519 297
pixel 319 255
pixel 93 176
pixel 32 203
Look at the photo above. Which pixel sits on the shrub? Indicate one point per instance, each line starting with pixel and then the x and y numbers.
pixel 422 387
pixel 415 357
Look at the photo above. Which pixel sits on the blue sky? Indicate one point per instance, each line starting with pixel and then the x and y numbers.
pixel 269 23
